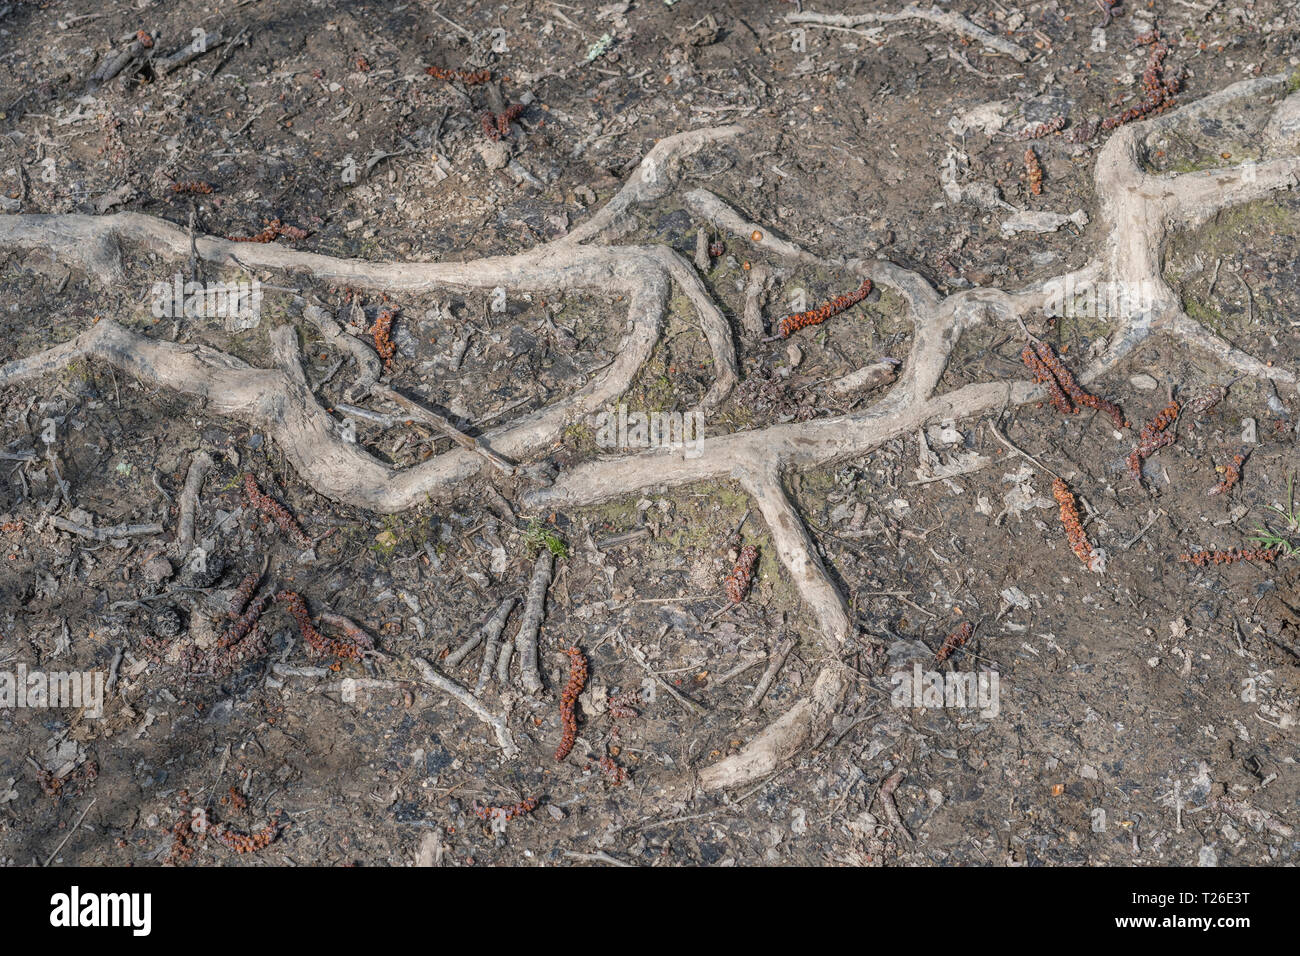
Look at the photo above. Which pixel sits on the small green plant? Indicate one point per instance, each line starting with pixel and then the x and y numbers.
pixel 538 537
pixel 1283 542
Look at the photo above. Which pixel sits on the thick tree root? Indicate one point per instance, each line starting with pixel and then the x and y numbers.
pixel 1138 209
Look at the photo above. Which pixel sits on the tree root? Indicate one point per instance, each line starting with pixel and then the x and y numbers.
pixel 1139 210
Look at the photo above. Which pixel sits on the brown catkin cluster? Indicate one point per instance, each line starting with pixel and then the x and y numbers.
pixel 243 843
pixel 1153 437
pixel 509 812
pixel 1205 399
pixel 274 510
pixel 274 229
pixel 954 640
pixel 616 775
pixel 318 643
pixel 1230 556
pixel 623 706
pixel 742 575
pixel 569 700
pixel 801 320
pixel 497 125
pixel 381 332
pixel 1053 125
pixel 1033 172
pixel 244 594
pixel 1158 87
pixel 1231 474
pixel 1073 526
pixel 1067 395
pixel 468 77
pixel 193 187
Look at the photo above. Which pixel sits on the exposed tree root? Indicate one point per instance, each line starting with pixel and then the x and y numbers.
pixel 1138 209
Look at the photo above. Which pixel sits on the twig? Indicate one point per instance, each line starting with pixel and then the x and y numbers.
pixel 534 607
pixel 446 427
pixel 471 703
pixel 774 665
pixel 104 534
pixel 886 795
pixel 491 628
pixel 71 830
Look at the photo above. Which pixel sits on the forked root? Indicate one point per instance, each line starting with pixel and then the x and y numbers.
pixel 1138 210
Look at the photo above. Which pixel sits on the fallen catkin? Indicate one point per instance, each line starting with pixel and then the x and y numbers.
pixel 1152 439
pixel 274 229
pixel 243 843
pixel 1067 395
pixel 381 332
pixel 274 510
pixel 1231 474
pixel 569 699
pixel 1033 172
pixel 468 77
pixel 742 575
pixel 244 594
pixel 1073 527
pixel 508 812
pixel 616 775
pixel 800 320
pixel 954 640
pixel 1205 399
pixel 1043 376
pixel 1230 556
pixel 319 644
pixel 1054 125
pixel 624 706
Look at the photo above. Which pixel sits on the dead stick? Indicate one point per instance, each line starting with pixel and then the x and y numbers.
pixel 471 703
pixel 496 622
pixel 446 427
pixel 774 665
pixel 534 608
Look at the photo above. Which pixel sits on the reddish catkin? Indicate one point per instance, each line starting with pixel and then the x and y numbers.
pixel 624 706
pixel 1043 376
pixel 468 77
pixel 1231 474
pixel 243 843
pixel 1053 125
pixel 742 575
pixel 318 643
pixel 1152 439
pixel 616 775
pixel 1073 526
pixel 1230 556
pixel 381 332
pixel 954 640
pixel 274 229
pixel 144 39
pixel 1033 172
pixel 569 700
pixel 1205 399
pixel 512 113
pixel 242 626
pixel 1065 378
pixel 244 594
pixel 508 812
pixel 274 510
pixel 193 187
pixel 801 320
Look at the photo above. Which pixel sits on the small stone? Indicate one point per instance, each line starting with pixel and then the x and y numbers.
pixel 1143 381
pixel 158 570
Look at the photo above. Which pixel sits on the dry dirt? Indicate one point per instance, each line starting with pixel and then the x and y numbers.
pixel 1146 715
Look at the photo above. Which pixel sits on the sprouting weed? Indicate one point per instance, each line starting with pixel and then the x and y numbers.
pixel 1283 542
pixel 538 537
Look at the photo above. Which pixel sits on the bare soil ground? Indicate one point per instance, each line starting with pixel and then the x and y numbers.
pixel 1147 715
